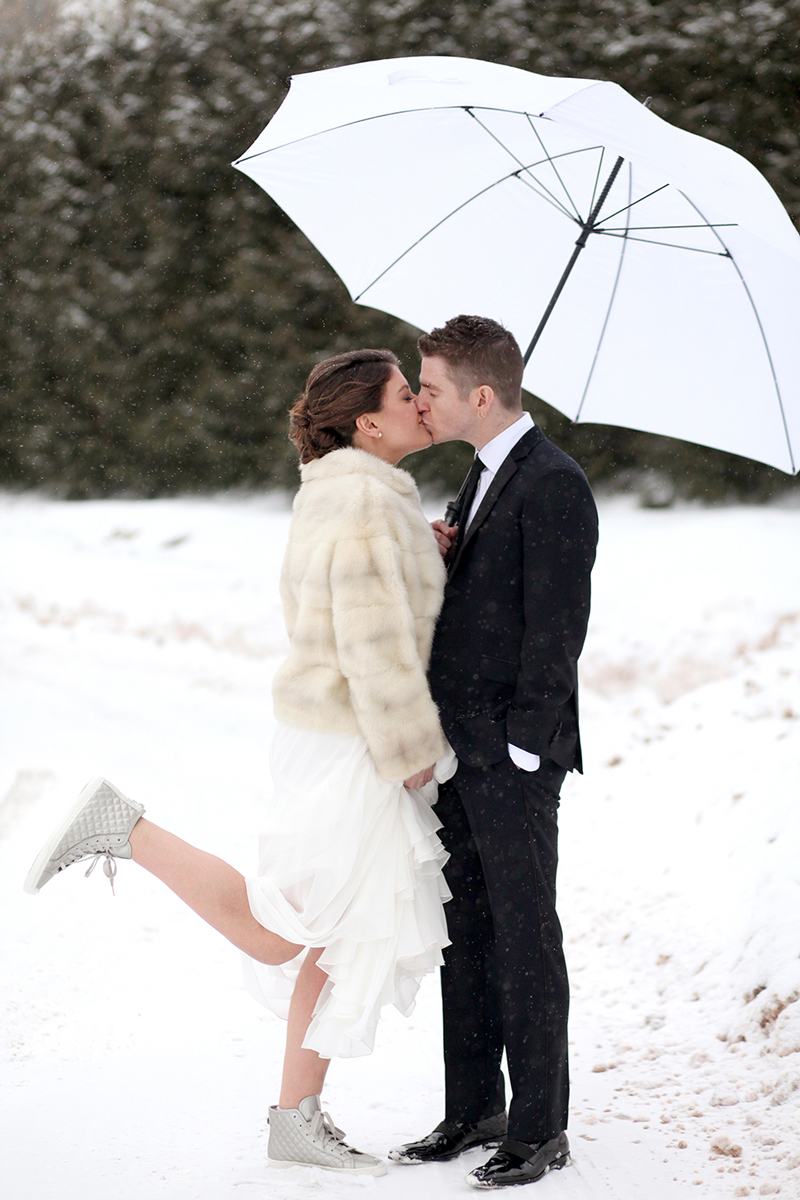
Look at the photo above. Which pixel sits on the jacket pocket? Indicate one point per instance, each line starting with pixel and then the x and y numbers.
pixel 499 669
pixel 478 741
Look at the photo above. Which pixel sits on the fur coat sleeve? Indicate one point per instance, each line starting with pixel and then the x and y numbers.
pixel 362 588
pixel 379 656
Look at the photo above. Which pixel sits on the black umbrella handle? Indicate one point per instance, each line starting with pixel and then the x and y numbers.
pixel 587 228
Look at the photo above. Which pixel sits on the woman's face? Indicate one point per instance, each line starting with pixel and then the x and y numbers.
pixel 397 429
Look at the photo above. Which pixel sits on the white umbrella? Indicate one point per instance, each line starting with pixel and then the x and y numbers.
pixel 436 186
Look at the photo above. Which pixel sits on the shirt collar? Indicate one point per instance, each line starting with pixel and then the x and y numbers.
pixel 495 452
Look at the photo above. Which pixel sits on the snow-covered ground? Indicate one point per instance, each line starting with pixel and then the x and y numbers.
pixel 138 642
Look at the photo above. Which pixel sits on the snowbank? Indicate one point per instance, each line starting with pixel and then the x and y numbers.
pixel 139 640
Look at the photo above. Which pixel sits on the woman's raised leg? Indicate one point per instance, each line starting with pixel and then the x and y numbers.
pixel 303 1070
pixel 211 887
pixel 105 824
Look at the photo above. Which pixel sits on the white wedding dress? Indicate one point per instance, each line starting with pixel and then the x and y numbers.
pixel 351 862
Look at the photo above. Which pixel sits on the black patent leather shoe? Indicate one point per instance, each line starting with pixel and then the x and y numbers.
pixel 520 1162
pixel 451 1138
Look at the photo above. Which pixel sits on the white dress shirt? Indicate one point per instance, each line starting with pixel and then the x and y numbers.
pixel 492 455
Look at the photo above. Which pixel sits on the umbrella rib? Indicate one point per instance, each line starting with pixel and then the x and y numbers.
pixel 556 203
pixel 549 198
pixel 718 225
pixel 401 112
pixel 520 163
pixel 597 177
pixel 447 216
pixel 639 201
pixel 608 312
pixel 760 327
pixel 555 168
pixel 668 245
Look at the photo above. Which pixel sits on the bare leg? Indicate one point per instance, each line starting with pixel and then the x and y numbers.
pixel 303 1070
pixel 211 887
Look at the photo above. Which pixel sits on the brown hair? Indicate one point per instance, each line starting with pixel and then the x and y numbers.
pixel 338 390
pixel 478 351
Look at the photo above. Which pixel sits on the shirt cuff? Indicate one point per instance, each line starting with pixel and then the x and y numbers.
pixel 523 758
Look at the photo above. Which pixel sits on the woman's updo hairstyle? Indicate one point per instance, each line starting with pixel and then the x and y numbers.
pixel 338 390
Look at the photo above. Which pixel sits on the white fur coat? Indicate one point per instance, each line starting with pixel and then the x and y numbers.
pixel 362 586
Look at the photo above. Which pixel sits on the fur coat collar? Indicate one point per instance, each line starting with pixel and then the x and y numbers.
pixel 352 461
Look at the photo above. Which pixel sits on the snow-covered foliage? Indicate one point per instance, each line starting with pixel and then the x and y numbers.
pixel 158 312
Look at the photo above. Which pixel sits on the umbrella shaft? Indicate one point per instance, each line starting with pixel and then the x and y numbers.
pixel 588 228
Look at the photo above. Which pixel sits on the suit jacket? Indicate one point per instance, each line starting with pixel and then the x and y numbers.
pixel 516 605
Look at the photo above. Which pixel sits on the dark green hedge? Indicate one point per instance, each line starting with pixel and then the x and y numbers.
pixel 158 313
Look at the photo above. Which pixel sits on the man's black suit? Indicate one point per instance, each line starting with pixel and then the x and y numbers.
pixel 504 669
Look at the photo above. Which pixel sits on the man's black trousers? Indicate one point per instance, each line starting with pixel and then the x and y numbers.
pixel 504 982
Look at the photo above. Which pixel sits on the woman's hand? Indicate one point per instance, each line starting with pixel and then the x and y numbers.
pixel 420 779
pixel 445 536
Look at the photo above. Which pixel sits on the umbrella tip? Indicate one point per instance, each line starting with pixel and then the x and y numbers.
pixel 648 101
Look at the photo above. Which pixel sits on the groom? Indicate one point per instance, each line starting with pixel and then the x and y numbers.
pixel 520 547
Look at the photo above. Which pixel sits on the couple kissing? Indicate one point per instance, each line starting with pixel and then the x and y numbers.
pixel 426 717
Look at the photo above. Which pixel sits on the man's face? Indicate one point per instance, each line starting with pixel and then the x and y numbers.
pixel 445 411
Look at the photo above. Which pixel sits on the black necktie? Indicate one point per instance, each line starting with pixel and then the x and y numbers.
pixel 465 499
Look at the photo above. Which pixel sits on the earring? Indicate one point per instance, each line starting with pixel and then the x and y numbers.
pixel 379 433
pixel 481 413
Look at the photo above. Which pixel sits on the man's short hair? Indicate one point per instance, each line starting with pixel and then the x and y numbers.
pixel 478 351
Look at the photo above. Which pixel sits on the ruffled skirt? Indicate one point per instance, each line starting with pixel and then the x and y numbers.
pixel 350 862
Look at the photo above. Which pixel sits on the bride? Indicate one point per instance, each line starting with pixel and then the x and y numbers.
pixel 345 914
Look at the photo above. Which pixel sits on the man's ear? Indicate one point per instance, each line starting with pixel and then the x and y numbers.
pixel 484 400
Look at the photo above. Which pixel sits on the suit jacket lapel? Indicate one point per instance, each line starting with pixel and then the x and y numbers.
pixel 506 471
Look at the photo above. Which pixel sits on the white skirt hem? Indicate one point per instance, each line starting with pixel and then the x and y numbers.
pixel 350 862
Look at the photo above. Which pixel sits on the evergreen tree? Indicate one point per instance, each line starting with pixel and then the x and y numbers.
pixel 159 313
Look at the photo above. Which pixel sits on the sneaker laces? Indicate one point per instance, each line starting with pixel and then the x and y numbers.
pixel 109 868
pixel 322 1127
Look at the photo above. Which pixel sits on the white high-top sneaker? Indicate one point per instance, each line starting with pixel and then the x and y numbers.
pixel 98 826
pixel 307 1137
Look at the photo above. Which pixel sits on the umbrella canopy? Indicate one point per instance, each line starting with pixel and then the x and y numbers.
pixel 436 186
